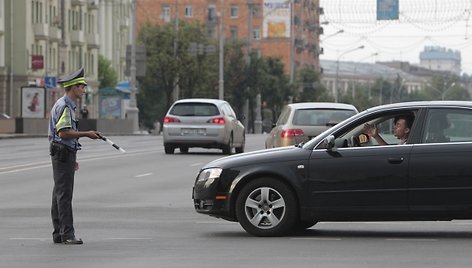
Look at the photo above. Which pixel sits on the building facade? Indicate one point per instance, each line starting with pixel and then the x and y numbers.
pixel 41 41
pixel 114 29
pixel 288 30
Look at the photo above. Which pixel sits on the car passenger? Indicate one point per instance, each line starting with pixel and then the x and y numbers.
pixel 401 129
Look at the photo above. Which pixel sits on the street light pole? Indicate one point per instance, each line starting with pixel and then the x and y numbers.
pixel 221 81
pixel 336 84
pixel 444 92
pixel 133 111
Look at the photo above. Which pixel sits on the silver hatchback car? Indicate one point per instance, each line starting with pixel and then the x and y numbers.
pixel 205 123
pixel 300 122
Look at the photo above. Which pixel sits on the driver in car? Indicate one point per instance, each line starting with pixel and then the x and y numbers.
pixel 401 129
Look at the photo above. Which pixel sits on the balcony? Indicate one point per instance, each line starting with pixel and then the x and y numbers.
pixel 55 34
pixel 77 38
pixel 41 31
pixel 93 40
pixel 78 2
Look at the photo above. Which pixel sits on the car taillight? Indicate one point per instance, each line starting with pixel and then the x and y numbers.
pixel 169 119
pixel 219 120
pixel 291 133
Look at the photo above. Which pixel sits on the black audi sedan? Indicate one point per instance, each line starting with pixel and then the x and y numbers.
pixel 343 174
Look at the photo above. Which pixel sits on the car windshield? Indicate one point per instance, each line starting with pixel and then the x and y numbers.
pixel 320 117
pixel 194 109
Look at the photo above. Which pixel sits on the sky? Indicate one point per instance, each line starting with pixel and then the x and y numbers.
pixel 443 23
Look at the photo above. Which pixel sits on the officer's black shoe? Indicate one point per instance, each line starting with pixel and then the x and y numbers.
pixel 72 241
pixel 57 239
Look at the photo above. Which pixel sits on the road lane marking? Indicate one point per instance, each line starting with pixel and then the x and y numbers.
pixel 316 238
pixel 196 164
pixel 412 239
pixel 37 165
pixel 143 175
pixel 128 238
pixel 29 238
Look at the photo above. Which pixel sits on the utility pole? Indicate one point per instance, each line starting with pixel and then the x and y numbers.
pixel 221 81
pixel 133 112
pixel 176 92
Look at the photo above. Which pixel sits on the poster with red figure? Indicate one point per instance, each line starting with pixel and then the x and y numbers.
pixel 32 102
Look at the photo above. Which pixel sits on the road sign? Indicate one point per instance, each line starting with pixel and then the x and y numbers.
pixel 50 81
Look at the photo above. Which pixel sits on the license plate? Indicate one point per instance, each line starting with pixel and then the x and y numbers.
pixel 193 131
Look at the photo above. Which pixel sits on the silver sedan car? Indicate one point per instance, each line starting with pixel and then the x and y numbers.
pixel 300 122
pixel 205 123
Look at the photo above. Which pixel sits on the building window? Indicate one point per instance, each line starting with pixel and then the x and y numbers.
pixel 165 13
pixel 188 11
pixel 257 33
pixel 234 32
pixel 256 11
pixel 234 11
pixel 211 13
pixel 36 12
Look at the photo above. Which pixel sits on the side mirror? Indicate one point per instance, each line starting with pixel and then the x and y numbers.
pixel 330 143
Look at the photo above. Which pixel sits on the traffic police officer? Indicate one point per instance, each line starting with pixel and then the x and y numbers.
pixel 63 137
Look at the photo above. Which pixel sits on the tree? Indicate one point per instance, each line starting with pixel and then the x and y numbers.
pixel 106 74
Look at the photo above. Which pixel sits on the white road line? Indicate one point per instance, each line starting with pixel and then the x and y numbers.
pixel 29 238
pixel 143 175
pixel 128 238
pixel 412 239
pixel 316 238
pixel 196 164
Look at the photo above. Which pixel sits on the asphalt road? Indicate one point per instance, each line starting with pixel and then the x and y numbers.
pixel 135 210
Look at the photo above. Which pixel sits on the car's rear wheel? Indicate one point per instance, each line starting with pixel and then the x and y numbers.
pixel 169 149
pixel 184 149
pixel 227 148
pixel 266 207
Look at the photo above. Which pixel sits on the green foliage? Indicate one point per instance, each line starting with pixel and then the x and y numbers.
pixel 106 74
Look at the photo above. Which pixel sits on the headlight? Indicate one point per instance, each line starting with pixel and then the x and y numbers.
pixel 209 174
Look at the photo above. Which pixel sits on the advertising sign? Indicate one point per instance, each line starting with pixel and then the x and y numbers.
pixel 37 62
pixel 276 22
pixel 110 107
pixel 32 102
pixel 387 9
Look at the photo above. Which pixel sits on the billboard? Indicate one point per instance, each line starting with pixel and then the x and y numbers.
pixel 276 22
pixel 387 9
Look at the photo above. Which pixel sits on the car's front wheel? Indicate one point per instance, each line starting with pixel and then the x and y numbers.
pixel 266 207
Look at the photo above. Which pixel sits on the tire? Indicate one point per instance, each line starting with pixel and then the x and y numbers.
pixel 240 149
pixel 184 149
pixel 255 209
pixel 227 148
pixel 169 149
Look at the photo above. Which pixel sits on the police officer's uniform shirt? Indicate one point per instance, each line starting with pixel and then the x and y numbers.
pixel 63 117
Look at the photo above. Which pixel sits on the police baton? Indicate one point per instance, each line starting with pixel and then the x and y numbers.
pixel 111 143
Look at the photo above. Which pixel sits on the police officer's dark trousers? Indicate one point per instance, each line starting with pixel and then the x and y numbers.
pixel 63 165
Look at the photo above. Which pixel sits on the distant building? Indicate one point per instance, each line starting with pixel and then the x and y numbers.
pixel 353 75
pixel 288 30
pixel 441 59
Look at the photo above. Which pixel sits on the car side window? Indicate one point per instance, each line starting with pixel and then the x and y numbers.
pixel 448 125
pixel 377 130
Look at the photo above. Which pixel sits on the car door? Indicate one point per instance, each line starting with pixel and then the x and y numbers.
pixel 357 180
pixel 440 167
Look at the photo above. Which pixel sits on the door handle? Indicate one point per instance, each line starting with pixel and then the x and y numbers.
pixel 395 160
